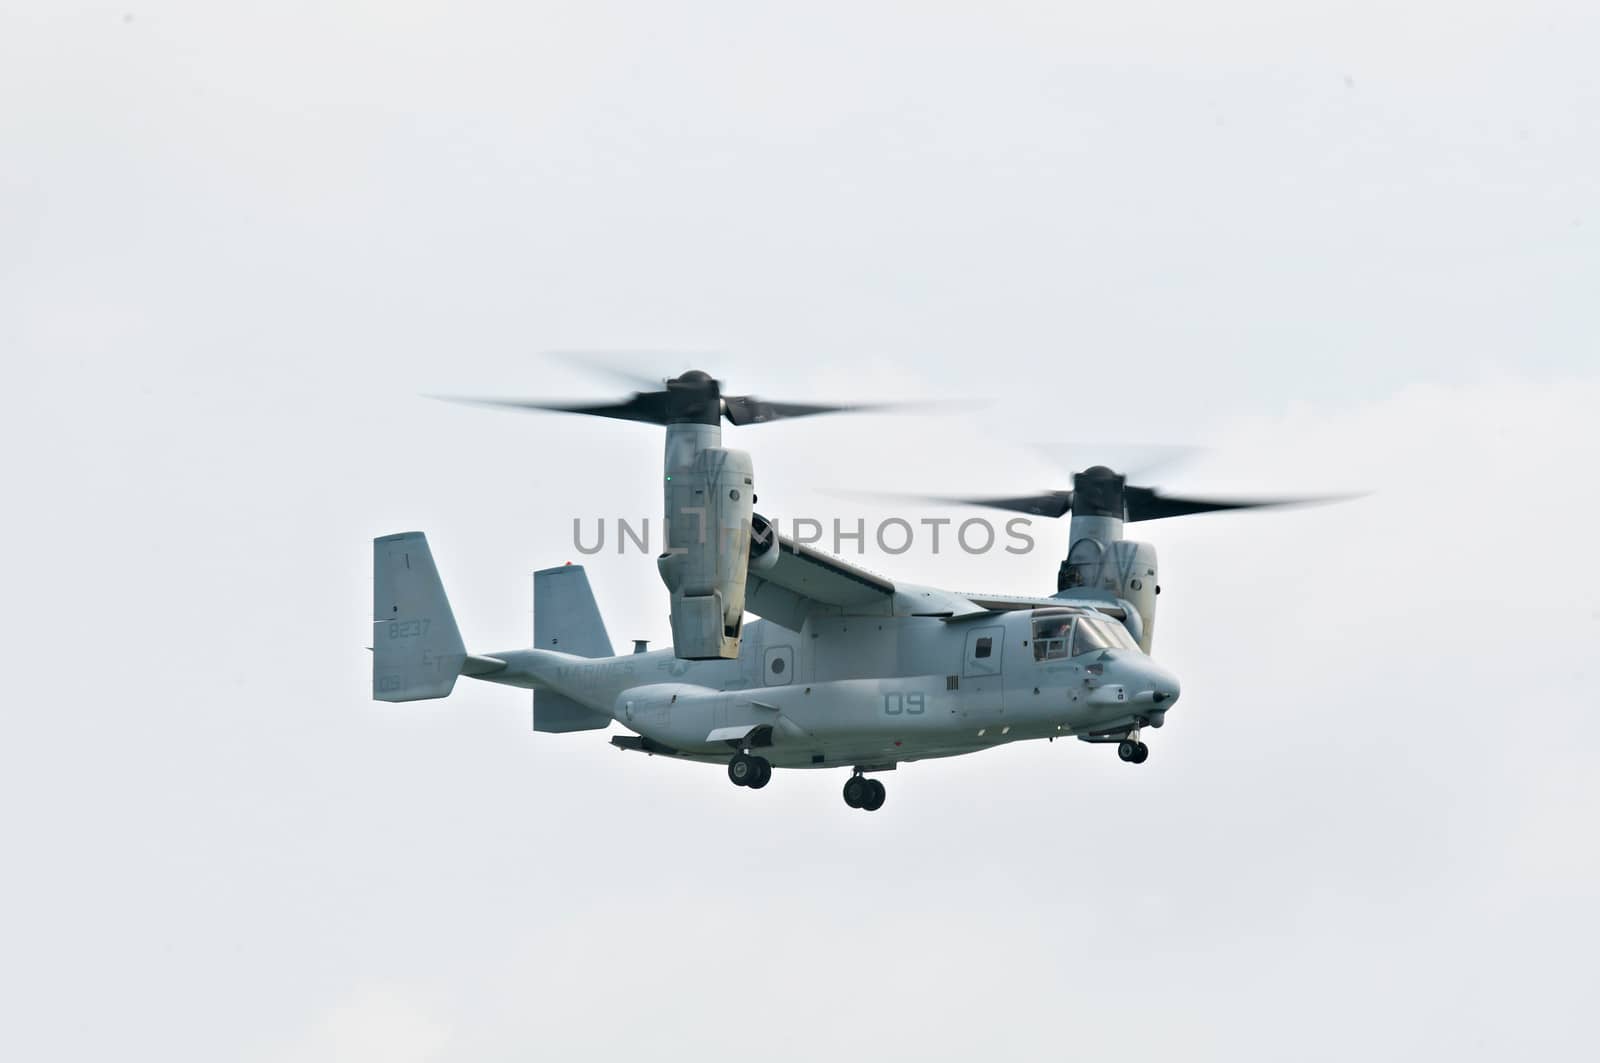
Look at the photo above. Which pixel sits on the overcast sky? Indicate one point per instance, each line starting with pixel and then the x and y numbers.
pixel 1344 246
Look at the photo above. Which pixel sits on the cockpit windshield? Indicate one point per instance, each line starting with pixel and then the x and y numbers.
pixel 1098 633
pixel 1120 638
pixel 1060 635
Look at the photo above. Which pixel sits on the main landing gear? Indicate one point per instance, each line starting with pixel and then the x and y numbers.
pixel 747 770
pixel 862 792
pixel 1133 751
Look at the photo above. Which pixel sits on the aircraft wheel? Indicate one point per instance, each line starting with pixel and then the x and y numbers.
pixel 1128 749
pixel 855 791
pixel 742 770
pixel 875 796
pixel 1141 754
pixel 763 773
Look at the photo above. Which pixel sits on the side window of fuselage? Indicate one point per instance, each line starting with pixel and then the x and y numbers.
pixel 779 666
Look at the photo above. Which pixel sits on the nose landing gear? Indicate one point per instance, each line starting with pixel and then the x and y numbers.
pixel 865 793
pixel 751 771
pixel 1133 751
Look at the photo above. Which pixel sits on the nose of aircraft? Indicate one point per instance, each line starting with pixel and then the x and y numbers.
pixel 1150 684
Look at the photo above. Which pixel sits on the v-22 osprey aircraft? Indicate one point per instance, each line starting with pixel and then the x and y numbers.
pixel 845 668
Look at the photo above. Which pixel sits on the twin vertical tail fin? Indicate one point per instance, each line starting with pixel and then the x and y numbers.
pixel 417 651
pixel 567 620
pixel 565 616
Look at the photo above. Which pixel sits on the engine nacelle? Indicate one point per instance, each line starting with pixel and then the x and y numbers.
pixel 708 550
pixel 1121 569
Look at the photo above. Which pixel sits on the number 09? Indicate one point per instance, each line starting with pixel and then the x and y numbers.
pixel 909 704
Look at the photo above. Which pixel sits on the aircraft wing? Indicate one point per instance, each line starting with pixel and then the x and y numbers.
pixel 789 581
pixel 1001 603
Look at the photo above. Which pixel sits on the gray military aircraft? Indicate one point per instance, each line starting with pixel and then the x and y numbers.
pixel 845 668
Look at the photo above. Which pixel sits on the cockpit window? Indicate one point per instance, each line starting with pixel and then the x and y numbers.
pixel 1120 639
pixel 1051 635
pixel 1098 633
pixel 1057 635
pixel 1088 637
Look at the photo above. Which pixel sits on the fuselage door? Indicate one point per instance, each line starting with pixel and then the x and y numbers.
pixel 778 666
pixel 982 695
pixel 984 645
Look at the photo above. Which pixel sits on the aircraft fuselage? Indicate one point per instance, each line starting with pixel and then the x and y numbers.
pixel 861 691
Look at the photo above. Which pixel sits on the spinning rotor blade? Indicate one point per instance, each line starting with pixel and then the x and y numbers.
pixel 651 407
pixel 1049 504
pixel 747 409
pixel 1100 492
pixel 693 397
pixel 1143 503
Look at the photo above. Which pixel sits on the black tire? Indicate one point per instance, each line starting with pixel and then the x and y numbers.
pixel 1127 749
pixel 855 791
pixel 1141 754
pixel 875 796
pixel 741 769
pixel 763 773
